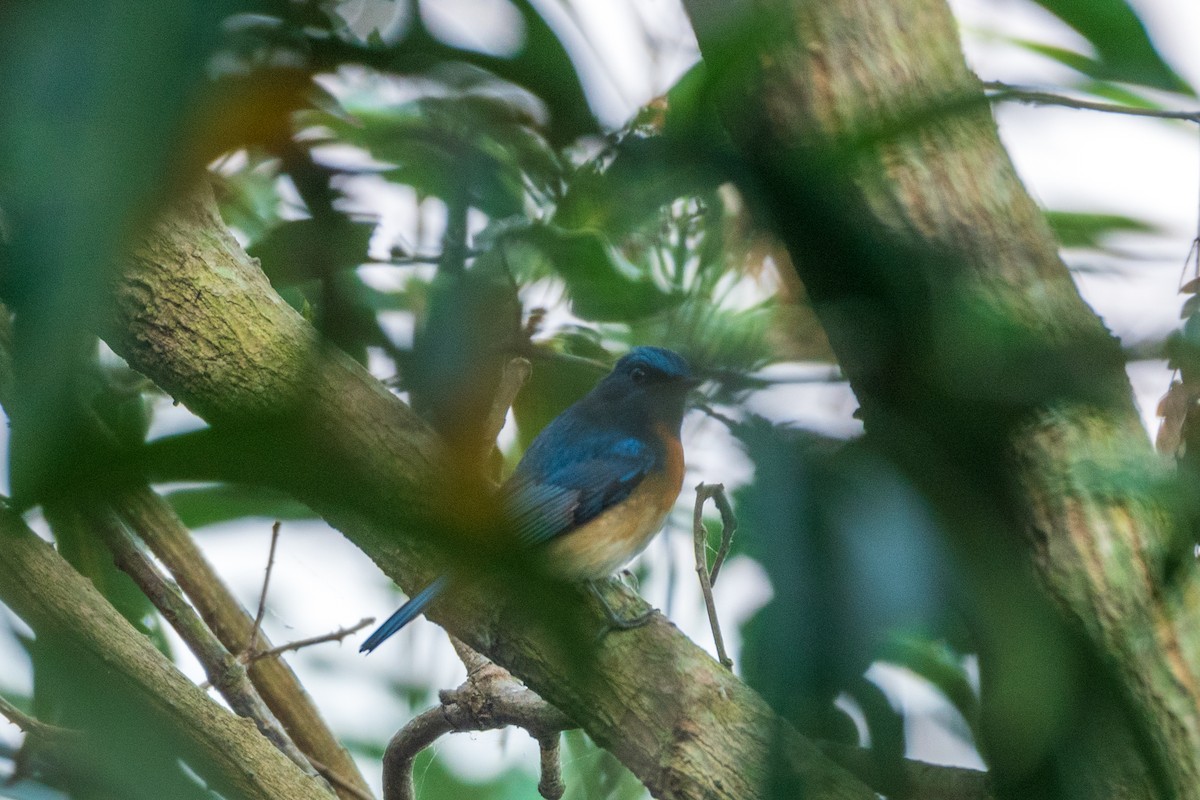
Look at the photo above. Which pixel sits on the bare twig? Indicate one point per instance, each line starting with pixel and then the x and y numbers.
pixel 224 671
pixel 1004 91
pixel 716 491
pixel 339 783
pixel 490 698
pixel 31 725
pixel 728 528
pixel 156 523
pixel 422 731
pixel 341 633
pixel 262 598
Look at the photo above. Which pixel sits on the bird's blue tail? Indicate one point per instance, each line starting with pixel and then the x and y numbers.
pixel 405 614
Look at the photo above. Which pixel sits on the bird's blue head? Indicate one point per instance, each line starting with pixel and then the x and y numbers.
pixel 650 383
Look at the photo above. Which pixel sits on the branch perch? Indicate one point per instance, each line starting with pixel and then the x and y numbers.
pixel 223 669
pixel 490 699
pixel 42 589
pixel 156 524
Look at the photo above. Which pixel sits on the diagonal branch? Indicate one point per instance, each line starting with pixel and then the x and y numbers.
pixel 156 524
pixel 223 669
pixel 42 589
pixel 358 456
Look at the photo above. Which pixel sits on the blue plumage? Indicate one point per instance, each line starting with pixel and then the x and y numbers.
pixel 588 460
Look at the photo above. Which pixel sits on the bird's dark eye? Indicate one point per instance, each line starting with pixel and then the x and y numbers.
pixel 638 374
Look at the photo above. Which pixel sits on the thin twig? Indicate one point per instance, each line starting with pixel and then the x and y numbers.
pixel 700 540
pixel 31 725
pixel 1004 91
pixel 728 528
pixel 339 782
pixel 336 636
pixel 262 598
pixel 224 671
pixel 156 523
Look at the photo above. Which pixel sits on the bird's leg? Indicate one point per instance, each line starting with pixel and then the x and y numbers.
pixel 615 620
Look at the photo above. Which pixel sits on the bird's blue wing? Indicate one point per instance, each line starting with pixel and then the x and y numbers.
pixel 552 495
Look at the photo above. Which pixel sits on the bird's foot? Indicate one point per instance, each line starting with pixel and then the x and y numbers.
pixel 616 622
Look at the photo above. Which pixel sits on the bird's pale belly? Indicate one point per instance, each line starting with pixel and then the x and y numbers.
pixel 603 545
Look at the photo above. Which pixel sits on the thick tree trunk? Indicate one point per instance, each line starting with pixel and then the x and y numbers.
pixel 971 352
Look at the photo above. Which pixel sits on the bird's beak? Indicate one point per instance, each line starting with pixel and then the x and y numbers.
pixel 691 383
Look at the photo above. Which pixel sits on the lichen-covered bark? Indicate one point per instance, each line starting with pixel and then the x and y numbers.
pixel 228 751
pixel 194 313
pixel 872 103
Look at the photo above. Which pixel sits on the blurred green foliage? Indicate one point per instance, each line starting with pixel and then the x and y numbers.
pixel 537 234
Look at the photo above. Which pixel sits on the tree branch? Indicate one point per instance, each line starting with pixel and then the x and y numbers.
pixel 156 524
pixel 197 316
pixel 224 671
pixel 52 597
pixel 489 699
pixel 1006 92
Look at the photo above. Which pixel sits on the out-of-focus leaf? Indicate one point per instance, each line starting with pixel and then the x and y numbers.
pixel 603 286
pixel 851 553
pixel 470 329
pixel 81 546
pixel 1123 48
pixel 90 124
pixel 542 67
pixel 475 148
pixel 209 505
pixel 937 663
pixel 885 727
pixel 556 383
pixel 1088 230
pixel 287 252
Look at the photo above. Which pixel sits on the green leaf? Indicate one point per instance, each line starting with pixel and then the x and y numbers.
pixel 209 505
pixel 937 663
pixel 1124 51
pixel 603 286
pixel 300 250
pixel 1089 230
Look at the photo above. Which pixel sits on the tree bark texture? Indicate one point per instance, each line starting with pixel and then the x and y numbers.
pixel 156 524
pixel 195 314
pixel 227 751
pixel 868 109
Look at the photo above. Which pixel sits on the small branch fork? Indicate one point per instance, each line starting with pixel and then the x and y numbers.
pixel 708 577
pixel 225 664
pixel 489 699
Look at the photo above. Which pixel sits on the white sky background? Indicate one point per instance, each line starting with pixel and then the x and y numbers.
pixel 1070 160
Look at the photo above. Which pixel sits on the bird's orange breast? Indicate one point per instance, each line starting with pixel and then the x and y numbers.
pixel 600 546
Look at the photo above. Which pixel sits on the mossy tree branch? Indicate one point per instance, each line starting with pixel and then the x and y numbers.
pixel 228 751
pixel 195 314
